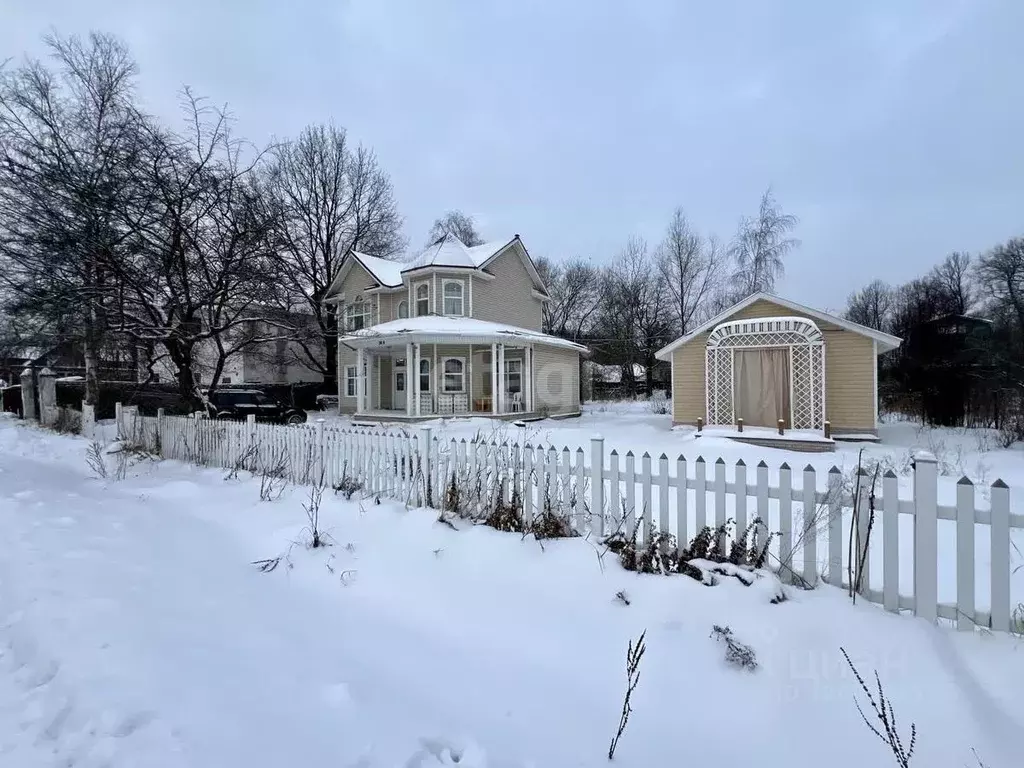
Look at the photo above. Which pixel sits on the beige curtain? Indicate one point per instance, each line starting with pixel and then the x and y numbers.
pixel 761 386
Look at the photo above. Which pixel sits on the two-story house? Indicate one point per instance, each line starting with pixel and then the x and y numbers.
pixel 455 330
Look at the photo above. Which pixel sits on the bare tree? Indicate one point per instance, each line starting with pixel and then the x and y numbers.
pixel 458 224
pixel 954 278
pixel 636 318
pixel 692 268
pixel 202 278
pixel 68 138
pixel 574 291
pixel 332 199
pixel 872 306
pixel 760 247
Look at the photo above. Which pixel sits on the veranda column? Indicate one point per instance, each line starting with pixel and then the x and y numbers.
pixel 360 380
pixel 469 374
pixel 528 379
pixel 409 376
pixel 494 379
pixel 502 407
pixel 416 379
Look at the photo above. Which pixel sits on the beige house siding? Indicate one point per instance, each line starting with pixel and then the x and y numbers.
pixel 509 297
pixel 556 380
pixel 849 373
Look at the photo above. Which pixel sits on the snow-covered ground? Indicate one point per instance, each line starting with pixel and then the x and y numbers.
pixel 135 631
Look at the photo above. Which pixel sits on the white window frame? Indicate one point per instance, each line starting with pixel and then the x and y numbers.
pixel 508 363
pixel 424 363
pixel 461 297
pixel 352 380
pixel 402 305
pixel 461 374
pixel 417 299
pixel 351 314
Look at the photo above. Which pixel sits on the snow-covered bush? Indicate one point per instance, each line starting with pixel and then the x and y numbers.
pixel 737 654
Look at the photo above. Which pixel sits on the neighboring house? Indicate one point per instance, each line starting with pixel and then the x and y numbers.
pixel 767 358
pixel 455 330
pixel 277 359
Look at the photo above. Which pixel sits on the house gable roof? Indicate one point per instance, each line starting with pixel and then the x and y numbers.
pixel 448 252
pixel 885 341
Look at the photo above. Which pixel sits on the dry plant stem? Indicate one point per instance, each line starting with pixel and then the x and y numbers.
pixel 886 730
pixel 634 654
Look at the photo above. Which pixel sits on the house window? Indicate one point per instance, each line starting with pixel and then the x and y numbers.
pixel 513 376
pixel 350 381
pixel 422 300
pixel 453 297
pixel 454 374
pixel 226 380
pixel 424 375
pixel 403 310
pixel 357 315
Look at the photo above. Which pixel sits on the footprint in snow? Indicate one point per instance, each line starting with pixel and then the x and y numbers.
pixel 442 752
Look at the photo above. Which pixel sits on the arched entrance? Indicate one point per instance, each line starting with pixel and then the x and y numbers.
pixel 766 369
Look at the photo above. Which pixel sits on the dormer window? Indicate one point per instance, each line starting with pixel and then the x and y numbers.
pixel 453 303
pixel 422 300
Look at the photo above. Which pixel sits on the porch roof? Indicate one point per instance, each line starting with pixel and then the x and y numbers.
pixel 452 330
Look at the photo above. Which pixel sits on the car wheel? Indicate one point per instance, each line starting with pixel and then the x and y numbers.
pixel 295 419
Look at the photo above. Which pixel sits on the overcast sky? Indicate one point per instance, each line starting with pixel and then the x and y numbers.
pixel 894 129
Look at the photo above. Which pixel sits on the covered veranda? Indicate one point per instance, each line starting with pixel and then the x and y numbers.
pixel 430 367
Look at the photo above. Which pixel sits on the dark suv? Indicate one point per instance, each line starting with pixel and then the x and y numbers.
pixel 238 403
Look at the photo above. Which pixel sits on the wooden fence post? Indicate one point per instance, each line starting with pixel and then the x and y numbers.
pixel 835 527
pixel 118 413
pixel 965 555
pixel 786 519
pixel 741 500
pixel 810 532
pixel 1000 532
pixel 160 414
pixel 423 443
pixel 597 483
pixel 926 536
pixel 321 459
pixel 891 541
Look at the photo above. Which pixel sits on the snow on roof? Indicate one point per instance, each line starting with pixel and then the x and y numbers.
pixel 438 325
pixel 384 271
pixel 481 253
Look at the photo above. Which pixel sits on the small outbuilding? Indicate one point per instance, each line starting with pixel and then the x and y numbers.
pixel 767 359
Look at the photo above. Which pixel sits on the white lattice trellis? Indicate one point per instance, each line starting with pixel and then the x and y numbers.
pixel 805 343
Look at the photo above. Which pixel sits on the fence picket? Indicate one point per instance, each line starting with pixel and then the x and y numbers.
pixel 527 481
pixel 614 494
pixel 1000 536
pixel 681 511
pixel 663 515
pixel 863 569
pixel 701 493
pixel 720 513
pixel 965 554
pixel 761 532
pixel 786 517
pixel 741 499
pixel 565 472
pixel 835 527
pixel 926 537
pixel 891 542
pixel 630 517
pixel 810 532
pixel 645 488
pixel 580 498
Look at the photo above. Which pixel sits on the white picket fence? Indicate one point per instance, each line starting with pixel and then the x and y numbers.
pixel 901 548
